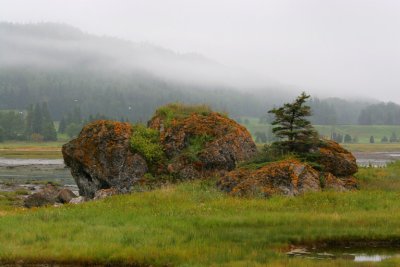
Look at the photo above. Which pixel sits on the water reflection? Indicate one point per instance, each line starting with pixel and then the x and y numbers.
pixel 371 258
pixel 367 254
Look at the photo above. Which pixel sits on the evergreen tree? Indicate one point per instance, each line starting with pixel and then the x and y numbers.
pixel 1 134
pixel 372 139
pixel 384 139
pixel 347 139
pixel 37 120
pixel 73 130
pixel 29 121
pixel 340 138
pixel 48 130
pixel 292 126
pixel 393 138
pixel 62 126
pixel 77 115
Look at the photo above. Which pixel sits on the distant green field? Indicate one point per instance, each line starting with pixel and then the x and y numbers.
pixel 31 150
pixel 362 132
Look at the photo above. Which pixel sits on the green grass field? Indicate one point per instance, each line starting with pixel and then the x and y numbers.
pixel 193 224
pixel 31 150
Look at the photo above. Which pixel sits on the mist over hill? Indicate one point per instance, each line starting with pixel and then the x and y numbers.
pixel 66 68
pixel 62 65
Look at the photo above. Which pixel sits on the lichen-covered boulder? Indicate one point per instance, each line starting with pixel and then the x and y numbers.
pixel 100 158
pixel 47 196
pixel 335 159
pixel 288 177
pixel 200 143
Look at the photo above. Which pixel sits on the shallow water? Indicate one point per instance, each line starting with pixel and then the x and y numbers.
pixel 21 171
pixel 367 254
pixel 376 159
pixel 29 162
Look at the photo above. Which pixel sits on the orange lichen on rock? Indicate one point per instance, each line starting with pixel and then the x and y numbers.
pixel 336 160
pixel 288 177
pixel 101 158
pixel 227 142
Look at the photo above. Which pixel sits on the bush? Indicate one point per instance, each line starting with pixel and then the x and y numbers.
pixel 146 142
pixel 372 139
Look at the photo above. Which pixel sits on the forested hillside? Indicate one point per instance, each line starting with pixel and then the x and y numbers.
pixel 380 114
pixel 68 69
pixel 65 67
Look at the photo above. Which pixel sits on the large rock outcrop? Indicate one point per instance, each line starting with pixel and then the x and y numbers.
pixel 195 144
pixel 289 177
pixel 200 144
pixel 101 158
pixel 292 177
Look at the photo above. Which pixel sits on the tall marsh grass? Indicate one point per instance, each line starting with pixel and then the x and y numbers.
pixel 194 224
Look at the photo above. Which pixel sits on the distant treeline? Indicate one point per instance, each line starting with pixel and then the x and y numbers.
pixel 134 95
pixel 36 123
pixel 380 114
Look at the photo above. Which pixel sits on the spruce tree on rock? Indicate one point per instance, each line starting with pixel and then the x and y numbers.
pixel 292 126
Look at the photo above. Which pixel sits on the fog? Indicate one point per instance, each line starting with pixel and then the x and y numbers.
pixel 343 48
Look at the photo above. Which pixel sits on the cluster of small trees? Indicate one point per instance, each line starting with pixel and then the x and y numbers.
pixel 34 124
pixel 393 139
pixel 39 124
pixel 343 138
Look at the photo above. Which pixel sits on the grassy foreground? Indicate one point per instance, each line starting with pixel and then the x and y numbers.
pixel 193 224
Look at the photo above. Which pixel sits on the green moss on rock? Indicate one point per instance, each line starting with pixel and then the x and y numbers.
pixel 146 142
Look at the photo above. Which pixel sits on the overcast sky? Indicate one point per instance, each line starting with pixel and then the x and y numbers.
pixel 326 47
